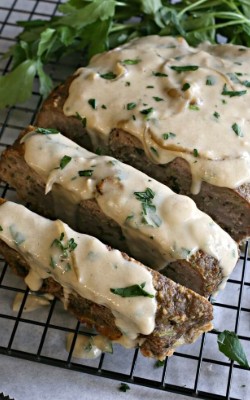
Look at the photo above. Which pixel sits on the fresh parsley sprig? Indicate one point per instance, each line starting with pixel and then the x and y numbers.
pixel 95 26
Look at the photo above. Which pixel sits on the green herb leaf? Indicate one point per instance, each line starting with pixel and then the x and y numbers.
pixel 109 75
pixel 193 107
pixel 216 115
pixel 92 103
pixel 47 131
pixel 132 291
pixel 150 87
pixel 236 128
pixel 168 135
pixel 131 106
pixel 185 87
pixel 159 363
pixel 159 74
pixel 232 93
pixel 1 228
pixel 16 86
pixel 147 111
pixel 104 107
pixel 157 98
pixel 131 62
pixel 210 81
pixel 195 153
pixel 153 149
pixel 149 215
pixel 52 263
pixel 64 161
pixel 180 68
pixel 124 387
pixel 86 172
pixel 230 345
pixel 82 119
pixel 18 237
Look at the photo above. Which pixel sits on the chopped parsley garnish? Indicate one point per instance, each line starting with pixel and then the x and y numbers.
pixel 185 87
pixel 131 62
pixel 86 172
pixel 134 117
pixel 98 151
pixel 150 87
pixel 160 74
pixel 18 237
pixel 64 161
pixel 210 81
pixel 129 217
pixel 109 75
pixel 157 98
pixel 179 68
pixel 149 215
pixel 236 128
pixel 1 228
pixel 130 106
pixel 47 131
pixel 232 93
pixel 246 83
pixel 216 115
pixel 168 135
pixel 82 119
pixel 195 153
pixel 52 263
pixel 147 111
pixel 230 345
pixel 159 363
pixel 124 387
pixel 65 248
pixel 127 84
pixel 92 103
pixel 153 149
pixel 132 291
pixel 193 107
pixel 104 107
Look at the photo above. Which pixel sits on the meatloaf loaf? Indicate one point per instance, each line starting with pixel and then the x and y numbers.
pixel 124 300
pixel 179 114
pixel 103 197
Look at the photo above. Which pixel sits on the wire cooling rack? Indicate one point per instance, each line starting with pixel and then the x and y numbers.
pixel 198 370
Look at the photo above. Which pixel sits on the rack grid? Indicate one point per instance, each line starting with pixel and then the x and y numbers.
pixel 196 370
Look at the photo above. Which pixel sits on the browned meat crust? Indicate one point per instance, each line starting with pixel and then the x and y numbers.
pixel 201 273
pixel 181 316
pixel 230 208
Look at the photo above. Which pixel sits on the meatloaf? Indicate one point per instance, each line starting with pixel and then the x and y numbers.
pixel 95 281
pixel 177 113
pixel 122 206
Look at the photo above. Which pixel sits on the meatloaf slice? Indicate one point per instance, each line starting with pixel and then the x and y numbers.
pixel 198 270
pixel 179 314
pixel 230 208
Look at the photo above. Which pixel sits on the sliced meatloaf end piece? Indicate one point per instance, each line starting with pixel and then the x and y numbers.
pixel 200 272
pixel 230 208
pixel 180 314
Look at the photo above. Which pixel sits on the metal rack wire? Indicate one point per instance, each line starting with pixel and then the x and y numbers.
pixel 197 370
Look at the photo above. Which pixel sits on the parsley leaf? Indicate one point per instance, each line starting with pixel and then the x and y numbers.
pixel 131 62
pixel 160 74
pixel 64 161
pixel 92 103
pixel 232 93
pixel 237 129
pixel 82 119
pixel 124 387
pixel 130 106
pixel 149 215
pixel 230 345
pixel 132 291
pixel 184 68
pixel 86 172
pixel 109 75
pixel 47 131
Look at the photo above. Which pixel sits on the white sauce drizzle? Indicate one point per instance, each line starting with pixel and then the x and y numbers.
pixel 88 347
pixel 33 301
pixel 87 270
pixel 200 116
pixel 183 229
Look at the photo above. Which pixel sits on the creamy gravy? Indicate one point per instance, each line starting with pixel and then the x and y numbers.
pixel 33 301
pixel 159 230
pixel 81 264
pixel 88 347
pixel 179 101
